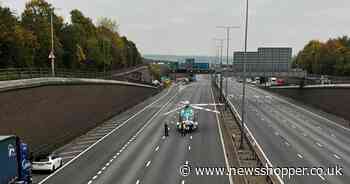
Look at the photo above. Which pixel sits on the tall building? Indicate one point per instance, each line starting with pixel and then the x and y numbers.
pixel 265 60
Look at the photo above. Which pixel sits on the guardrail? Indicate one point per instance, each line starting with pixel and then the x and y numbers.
pixel 247 134
pixel 30 73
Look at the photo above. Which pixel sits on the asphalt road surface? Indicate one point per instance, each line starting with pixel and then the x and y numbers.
pixel 292 136
pixel 137 152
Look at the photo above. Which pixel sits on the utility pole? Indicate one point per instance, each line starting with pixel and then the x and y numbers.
pixel 52 53
pixel 227 28
pixel 244 74
pixel 221 41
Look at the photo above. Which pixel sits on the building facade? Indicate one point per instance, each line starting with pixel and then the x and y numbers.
pixel 265 60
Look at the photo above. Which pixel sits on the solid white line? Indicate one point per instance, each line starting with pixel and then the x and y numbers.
pixel 221 138
pixel 104 137
pixel 256 142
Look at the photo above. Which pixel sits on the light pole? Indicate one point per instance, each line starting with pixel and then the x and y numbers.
pixel 244 74
pixel 52 53
pixel 221 41
pixel 227 28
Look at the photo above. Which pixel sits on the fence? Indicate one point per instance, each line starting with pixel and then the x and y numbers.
pixel 29 73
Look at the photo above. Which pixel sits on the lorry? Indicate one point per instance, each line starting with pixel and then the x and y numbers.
pixel 15 166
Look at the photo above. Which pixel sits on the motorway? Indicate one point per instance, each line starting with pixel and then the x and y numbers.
pixel 294 136
pixel 136 152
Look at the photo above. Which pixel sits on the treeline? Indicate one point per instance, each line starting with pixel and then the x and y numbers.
pixel 25 40
pixel 326 58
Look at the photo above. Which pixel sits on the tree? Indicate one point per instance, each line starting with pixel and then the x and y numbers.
pixel 108 23
pixel 36 18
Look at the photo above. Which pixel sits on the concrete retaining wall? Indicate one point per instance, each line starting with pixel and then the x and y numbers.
pixel 332 100
pixel 48 116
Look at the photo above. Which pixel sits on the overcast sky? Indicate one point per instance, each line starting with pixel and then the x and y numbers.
pixel 187 27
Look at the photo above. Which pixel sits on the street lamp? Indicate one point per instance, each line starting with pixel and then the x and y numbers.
pixel 228 28
pixel 52 52
pixel 244 74
pixel 221 41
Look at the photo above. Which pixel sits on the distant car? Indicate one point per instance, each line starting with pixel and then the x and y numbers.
pixel 50 163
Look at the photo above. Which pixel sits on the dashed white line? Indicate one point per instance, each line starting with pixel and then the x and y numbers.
pixel 189 148
pixel 322 177
pixel 148 163
pixel 319 144
pixel 90 182
pixel 183 182
pixel 157 148
pixel 300 156
pixel 138 182
pixel 186 162
pixel 99 172
pixel 95 177
pixel 191 137
pixel 336 156
pixel 103 168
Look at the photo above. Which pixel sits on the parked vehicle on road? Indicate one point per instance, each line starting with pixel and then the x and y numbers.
pixel 49 163
pixel 14 163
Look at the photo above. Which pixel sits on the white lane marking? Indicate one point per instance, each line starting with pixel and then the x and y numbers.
pixel 114 157
pixel 336 156
pixel 186 162
pixel 138 182
pixel 255 142
pixel 189 148
pixel 148 163
pixel 99 172
pixel 300 156
pixel 95 177
pixel 319 144
pixel 221 137
pixel 191 137
pixel 70 152
pixel 183 182
pixel 157 148
pixel 322 177
pixel 90 182
pixel 303 109
pixel 103 168
pixel 104 137
pixel 107 164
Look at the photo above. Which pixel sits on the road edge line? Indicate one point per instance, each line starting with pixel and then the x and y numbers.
pixel 221 137
pixel 104 137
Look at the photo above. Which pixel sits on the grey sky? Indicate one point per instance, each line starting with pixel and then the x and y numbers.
pixel 187 27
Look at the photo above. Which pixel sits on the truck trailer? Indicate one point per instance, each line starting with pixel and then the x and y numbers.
pixel 15 166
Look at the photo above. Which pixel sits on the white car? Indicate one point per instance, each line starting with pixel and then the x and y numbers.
pixel 50 163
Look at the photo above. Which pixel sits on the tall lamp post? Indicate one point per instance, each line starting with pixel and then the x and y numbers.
pixel 221 41
pixel 52 52
pixel 244 74
pixel 227 28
